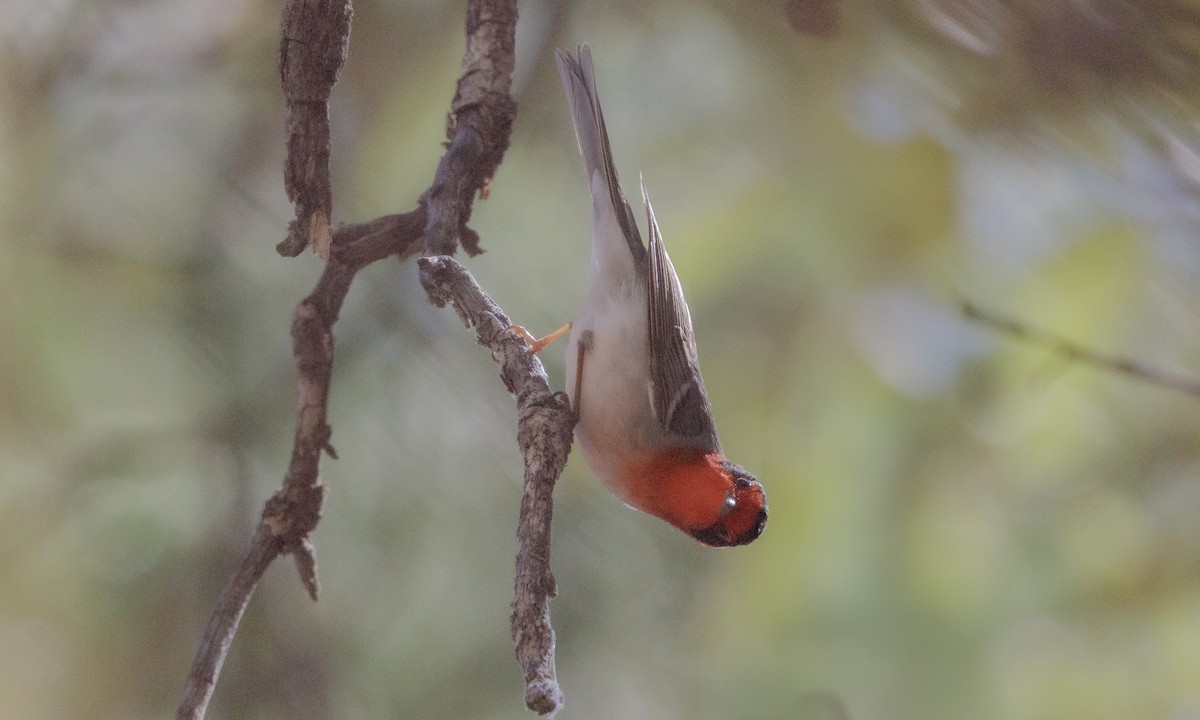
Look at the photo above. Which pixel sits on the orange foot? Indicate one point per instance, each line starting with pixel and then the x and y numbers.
pixel 537 345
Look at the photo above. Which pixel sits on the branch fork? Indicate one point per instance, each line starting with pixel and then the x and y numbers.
pixel 314 40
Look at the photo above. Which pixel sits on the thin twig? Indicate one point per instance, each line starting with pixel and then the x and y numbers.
pixel 223 624
pixel 1122 366
pixel 545 422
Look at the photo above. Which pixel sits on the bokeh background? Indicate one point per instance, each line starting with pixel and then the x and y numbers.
pixel 963 525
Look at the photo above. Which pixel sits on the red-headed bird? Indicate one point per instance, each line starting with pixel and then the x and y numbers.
pixel 645 424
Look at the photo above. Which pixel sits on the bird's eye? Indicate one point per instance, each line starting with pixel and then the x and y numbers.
pixel 741 482
pixel 727 506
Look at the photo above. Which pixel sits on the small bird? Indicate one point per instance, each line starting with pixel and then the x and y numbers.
pixel 644 422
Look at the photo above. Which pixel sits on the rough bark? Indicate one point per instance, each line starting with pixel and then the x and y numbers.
pixel 314 40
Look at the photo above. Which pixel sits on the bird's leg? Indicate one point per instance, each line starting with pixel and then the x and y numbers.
pixel 537 345
pixel 585 344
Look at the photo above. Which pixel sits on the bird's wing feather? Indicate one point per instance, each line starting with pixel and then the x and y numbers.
pixel 677 388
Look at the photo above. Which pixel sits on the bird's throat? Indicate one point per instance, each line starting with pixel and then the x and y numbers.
pixel 686 487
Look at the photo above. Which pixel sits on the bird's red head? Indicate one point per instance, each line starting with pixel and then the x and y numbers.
pixel 743 515
pixel 703 494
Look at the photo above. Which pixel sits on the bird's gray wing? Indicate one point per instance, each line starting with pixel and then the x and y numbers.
pixel 680 401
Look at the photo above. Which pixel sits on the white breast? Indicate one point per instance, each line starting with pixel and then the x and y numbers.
pixel 615 412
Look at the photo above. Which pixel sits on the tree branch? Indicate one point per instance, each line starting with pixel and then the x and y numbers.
pixel 1073 351
pixel 481 112
pixel 544 426
pixel 223 624
pixel 315 36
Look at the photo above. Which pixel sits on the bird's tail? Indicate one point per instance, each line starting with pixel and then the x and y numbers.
pixel 579 81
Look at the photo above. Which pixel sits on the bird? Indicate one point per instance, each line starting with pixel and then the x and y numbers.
pixel 643 418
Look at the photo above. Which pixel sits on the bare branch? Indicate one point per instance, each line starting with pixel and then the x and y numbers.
pixel 314 35
pixel 292 513
pixel 545 423
pixel 223 624
pixel 1073 351
pixel 482 115
pixel 364 243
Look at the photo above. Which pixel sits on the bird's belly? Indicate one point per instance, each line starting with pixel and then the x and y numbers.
pixel 615 415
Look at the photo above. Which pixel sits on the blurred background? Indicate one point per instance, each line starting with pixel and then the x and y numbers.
pixel 963 525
